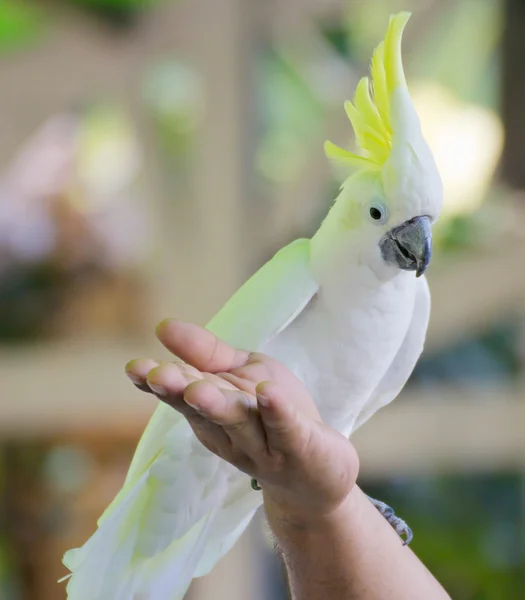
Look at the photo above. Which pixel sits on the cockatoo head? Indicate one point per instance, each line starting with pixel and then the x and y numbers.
pixel 396 193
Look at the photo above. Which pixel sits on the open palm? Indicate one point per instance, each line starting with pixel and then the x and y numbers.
pixel 254 413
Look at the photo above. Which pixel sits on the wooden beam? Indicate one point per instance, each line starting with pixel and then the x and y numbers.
pixel 445 430
pixel 57 388
pixel 50 391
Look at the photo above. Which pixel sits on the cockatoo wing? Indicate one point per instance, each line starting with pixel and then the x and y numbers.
pixel 269 301
pixel 405 360
pixel 162 528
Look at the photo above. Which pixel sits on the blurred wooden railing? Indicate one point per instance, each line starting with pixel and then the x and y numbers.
pixel 81 383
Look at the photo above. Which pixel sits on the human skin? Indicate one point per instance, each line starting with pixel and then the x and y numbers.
pixel 251 411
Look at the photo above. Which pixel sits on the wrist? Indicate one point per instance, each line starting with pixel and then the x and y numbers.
pixel 285 518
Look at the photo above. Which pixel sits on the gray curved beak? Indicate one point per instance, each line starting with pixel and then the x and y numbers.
pixel 409 246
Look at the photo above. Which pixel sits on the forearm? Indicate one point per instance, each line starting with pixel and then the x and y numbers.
pixel 351 555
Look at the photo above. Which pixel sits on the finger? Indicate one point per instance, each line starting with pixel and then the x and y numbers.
pixel 261 367
pixel 137 370
pixel 168 382
pixel 221 382
pixel 235 411
pixel 224 407
pixel 246 377
pixel 286 430
pixel 231 381
pixel 165 378
pixel 199 347
pixel 249 375
pixel 257 369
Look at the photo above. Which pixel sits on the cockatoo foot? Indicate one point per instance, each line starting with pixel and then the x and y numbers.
pixel 400 526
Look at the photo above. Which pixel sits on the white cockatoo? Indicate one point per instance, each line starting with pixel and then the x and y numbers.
pixel 346 311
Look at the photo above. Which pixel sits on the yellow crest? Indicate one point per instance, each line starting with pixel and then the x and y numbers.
pixel 369 114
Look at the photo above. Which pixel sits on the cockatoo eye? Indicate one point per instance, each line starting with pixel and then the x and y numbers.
pixel 378 213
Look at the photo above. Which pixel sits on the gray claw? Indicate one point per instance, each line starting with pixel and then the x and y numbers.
pixel 400 527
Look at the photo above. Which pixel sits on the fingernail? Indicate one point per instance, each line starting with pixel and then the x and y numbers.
pixel 158 389
pixel 135 380
pixel 263 400
pixel 164 323
pixel 193 405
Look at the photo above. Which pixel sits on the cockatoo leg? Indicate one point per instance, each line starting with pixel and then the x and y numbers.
pixel 401 528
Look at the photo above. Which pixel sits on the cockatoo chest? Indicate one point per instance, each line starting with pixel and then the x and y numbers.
pixel 342 345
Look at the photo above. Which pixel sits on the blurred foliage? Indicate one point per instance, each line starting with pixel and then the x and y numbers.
pixel 468 530
pixel 337 35
pixel 289 116
pixel 20 24
pixel 31 296
pixel 118 12
pixel 174 93
pixel 457 42
pixel 366 21
pixel 461 51
pixel 486 227
pixel 456 234
pixel 491 357
pixel 9 587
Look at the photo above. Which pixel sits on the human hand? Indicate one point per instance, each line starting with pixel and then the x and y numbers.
pixel 250 410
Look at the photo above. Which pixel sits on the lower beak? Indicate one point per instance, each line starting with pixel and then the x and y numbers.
pixel 409 246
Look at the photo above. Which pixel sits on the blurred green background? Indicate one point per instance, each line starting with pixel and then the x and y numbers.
pixel 155 153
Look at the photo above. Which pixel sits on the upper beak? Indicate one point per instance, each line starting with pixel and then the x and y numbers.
pixel 410 245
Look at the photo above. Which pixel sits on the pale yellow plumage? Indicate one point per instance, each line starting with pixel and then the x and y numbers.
pixel 370 114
